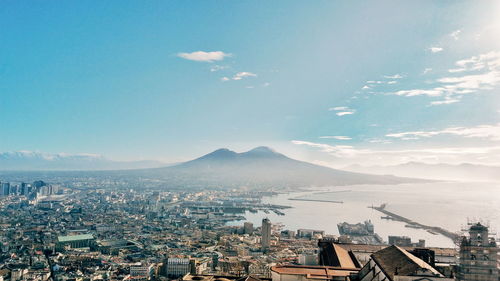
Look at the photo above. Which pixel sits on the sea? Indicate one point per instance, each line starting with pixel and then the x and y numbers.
pixel 450 205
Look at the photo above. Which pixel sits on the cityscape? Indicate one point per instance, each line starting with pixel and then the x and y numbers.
pixel 249 140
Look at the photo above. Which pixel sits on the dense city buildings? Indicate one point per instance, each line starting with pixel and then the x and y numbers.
pixel 51 232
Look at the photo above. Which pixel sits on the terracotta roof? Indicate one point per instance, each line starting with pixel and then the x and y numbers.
pixel 345 259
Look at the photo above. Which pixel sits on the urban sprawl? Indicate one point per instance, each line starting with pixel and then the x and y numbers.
pixel 71 233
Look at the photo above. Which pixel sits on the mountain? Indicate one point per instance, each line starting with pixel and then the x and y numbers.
pixel 31 161
pixel 259 167
pixel 461 172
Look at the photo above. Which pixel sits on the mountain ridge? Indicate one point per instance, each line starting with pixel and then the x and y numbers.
pixel 264 167
pixel 438 171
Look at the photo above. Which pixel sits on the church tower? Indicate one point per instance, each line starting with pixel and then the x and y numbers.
pixel 478 256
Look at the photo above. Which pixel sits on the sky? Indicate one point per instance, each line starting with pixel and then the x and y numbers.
pixel 331 82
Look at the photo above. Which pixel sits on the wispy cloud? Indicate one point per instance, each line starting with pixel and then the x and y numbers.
pixel 455 34
pixel 476 73
pixel 345 154
pixel 342 110
pixel 435 49
pixel 342 113
pixel 395 76
pixel 241 75
pixel 488 132
pixel 338 108
pixel 217 68
pixel 336 137
pixel 427 70
pixel 202 56
pixel 447 100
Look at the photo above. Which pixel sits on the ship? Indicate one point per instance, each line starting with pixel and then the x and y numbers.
pixel 357 229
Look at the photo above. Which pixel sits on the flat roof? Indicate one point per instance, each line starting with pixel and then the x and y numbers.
pixel 70 238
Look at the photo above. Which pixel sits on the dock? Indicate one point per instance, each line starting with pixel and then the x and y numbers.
pixel 409 223
pixel 316 200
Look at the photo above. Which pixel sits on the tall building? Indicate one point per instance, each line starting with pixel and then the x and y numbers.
pixel 5 188
pixel 266 234
pixel 248 228
pixel 478 256
pixel 23 188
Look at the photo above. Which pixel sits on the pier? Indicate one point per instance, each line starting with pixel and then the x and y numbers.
pixel 412 224
pixel 316 200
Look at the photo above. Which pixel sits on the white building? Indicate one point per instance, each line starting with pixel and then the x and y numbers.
pixel 177 267
pixel 145 271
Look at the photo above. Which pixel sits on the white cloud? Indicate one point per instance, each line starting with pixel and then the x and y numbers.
pixel 392 82
pixel 224 79
pixel 342 113
pixel 266 84
pixel 241 75
pixel 344 155
pixel 365 87
pixel 447 100
pixel 436 92
pixel 338 108
pixel 217 68
pixel 204 56
pixel 455 34
pixel 342 110
pixel 427 70
pixel 396 76
pixel 336 137
pixel 488 132
pixel 476 73
pixel 435 49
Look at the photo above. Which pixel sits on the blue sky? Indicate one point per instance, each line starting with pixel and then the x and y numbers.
pixel 332 82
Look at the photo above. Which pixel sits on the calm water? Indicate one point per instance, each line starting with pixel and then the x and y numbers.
pixel 448 205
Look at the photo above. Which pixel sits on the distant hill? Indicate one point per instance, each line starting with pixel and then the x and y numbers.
pixel 460 172
pixel 260 167
pixel 37 161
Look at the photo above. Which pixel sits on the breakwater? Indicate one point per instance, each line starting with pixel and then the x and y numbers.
pixel 453 236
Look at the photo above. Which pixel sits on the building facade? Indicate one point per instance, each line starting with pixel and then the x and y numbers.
pixel 478 256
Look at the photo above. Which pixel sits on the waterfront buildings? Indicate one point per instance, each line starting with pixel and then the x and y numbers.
pixel 405 241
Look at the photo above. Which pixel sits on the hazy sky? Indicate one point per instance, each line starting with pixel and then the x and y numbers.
pixel 334 82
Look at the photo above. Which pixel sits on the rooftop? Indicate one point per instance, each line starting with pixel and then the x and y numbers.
pixel 395 259
pixel 314 272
